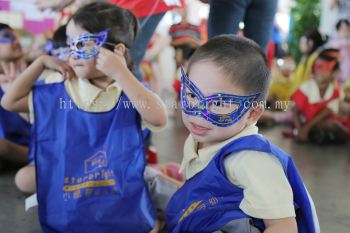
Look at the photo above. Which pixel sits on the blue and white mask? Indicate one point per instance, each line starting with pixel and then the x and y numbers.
pixel 220 109
pixel 85 46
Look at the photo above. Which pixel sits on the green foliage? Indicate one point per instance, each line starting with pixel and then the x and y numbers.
pixel 306 15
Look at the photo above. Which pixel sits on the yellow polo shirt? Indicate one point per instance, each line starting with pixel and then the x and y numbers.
pixel 267 192
pixel 88 97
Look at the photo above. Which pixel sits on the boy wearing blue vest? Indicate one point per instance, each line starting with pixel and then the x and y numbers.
pixel 236 180
pixel 89 152
pixel 14 127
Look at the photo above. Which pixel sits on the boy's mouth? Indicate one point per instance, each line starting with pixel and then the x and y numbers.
pixel 198 130
pixel 78 65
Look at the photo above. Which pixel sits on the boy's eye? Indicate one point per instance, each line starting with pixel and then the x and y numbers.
pixel 192 99
pixel 86 45
pixel 190 95
pixel 217 103
pixel 80 45
pixel 222 107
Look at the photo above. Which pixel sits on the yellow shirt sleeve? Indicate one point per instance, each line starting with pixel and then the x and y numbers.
pixel 267 192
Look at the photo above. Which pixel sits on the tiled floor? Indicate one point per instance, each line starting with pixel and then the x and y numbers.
pixel 326 172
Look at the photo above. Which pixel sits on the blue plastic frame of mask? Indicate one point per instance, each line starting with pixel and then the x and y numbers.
pixel 7 40
pixel 64 53
pixel 100 37
pixel 221 120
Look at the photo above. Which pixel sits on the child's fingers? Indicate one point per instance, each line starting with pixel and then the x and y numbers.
pixel 66 71
pixel 5 67
pixel 3 78
pixel 12 70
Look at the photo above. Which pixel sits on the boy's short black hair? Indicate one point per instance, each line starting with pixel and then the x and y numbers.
pixel 241 59
pixel 122 24
pixel 340 22
pixel 59 38
pixel 4 26
pixel 95 17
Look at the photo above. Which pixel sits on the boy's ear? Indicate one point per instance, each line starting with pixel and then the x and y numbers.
pixel 255 114
pixel 120 49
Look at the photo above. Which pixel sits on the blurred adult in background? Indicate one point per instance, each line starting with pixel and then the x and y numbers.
pixel 257 15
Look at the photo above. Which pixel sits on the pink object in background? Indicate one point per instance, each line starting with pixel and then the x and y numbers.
pixel 39 27
pixel 4 5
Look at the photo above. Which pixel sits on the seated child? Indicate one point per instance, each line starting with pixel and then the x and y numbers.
pixel 89 152
pixel 236 180
pixel 185 39
pixel 25 177
pixel 14 127
pixel 316 102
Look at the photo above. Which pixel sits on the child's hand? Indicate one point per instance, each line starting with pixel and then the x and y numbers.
pixel 111 64
pixel 9 73
pixel 63 67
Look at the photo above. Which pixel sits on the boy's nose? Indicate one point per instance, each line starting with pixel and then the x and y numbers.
pixel 74 56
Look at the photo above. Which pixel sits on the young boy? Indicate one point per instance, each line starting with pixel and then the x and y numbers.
pixel 236 180
pixel 317 100
pixel 14 128
pixel 89 152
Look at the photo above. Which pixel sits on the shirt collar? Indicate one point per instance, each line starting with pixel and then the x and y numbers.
pixel 85 93
pixel 204 155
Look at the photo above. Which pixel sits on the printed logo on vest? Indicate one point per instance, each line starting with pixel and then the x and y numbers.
pixel 97 179
pixel 199 205
pixel 97 161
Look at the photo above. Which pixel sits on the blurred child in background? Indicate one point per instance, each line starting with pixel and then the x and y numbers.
pixel 185 39
pixel 285 81
pixel 316 102
pixel 25 177
pixel 14 127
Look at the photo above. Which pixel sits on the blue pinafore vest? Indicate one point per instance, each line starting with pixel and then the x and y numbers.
pixel 89 166
pixel 13 127
pixel 208 200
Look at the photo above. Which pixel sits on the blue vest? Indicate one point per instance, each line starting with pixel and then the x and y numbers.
pixel 89 166
pixel 13 127
pixel 208 201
